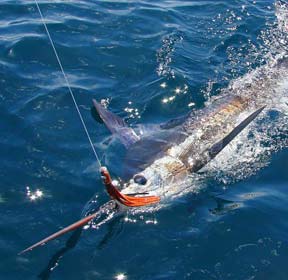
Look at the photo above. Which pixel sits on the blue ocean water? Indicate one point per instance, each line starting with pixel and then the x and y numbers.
pixel 149 62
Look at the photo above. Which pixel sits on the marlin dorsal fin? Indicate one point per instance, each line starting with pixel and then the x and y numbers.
pixel 117 126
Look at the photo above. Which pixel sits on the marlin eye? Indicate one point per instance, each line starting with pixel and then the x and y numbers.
pixel 140 179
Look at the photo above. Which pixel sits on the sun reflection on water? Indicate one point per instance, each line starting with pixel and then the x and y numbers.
pixel 34 195
pixel 120 276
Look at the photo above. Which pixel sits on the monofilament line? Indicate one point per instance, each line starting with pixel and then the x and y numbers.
pixel 67 82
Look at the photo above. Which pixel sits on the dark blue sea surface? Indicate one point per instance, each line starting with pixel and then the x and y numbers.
pixel 149 62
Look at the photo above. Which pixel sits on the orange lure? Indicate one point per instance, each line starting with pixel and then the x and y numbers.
pixel 126 200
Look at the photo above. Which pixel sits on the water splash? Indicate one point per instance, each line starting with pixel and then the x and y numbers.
pixel 266 85
pixel 165 53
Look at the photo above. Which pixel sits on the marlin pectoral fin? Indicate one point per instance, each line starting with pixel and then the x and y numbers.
pixel 116 125
pixel 219 146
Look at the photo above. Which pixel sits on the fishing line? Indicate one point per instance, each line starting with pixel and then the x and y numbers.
pixel 68 84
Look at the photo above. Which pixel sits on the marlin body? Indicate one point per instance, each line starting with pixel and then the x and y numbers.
pixel 162 163
pixel 194 140
pixel 159 166
pixel 186 150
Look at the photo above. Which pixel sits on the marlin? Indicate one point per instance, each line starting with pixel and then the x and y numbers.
pixel 167 158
